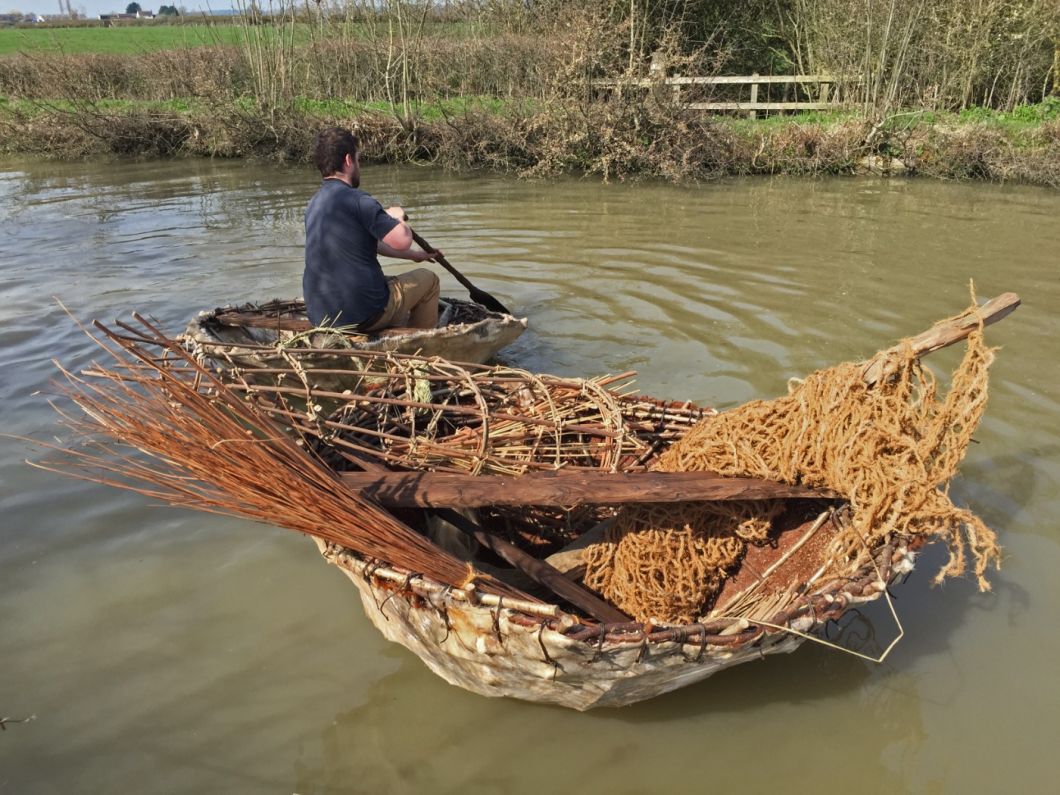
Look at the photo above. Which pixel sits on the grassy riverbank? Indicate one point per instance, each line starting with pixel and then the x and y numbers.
pixel 519 137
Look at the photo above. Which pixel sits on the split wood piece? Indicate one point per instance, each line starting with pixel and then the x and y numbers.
pixel 253 320
pixel 565 488
pixel 250 320
pixel 795 554
pixel 539 571
pixel 944 334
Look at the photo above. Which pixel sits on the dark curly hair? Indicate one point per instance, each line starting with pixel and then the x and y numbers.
pixel 331 147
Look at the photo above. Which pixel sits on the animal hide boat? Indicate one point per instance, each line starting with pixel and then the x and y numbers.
pixel 498 646
pixel 552 476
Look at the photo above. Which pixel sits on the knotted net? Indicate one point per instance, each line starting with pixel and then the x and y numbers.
pixel 889 448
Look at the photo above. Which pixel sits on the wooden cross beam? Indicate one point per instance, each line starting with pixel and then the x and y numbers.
pixel 564 488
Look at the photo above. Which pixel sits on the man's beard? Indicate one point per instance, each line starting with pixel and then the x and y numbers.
pixel 355 179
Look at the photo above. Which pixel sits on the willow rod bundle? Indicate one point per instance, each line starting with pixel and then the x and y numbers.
pixel 172 431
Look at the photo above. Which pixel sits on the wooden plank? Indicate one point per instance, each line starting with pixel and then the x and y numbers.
pixel 255 320
pixel 722 80
pixel 753 106
pixel 537 570
pixel 564 488
pixel 570 558
pixel 716 80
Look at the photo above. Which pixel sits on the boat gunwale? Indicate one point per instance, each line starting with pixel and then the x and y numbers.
pixel 826 603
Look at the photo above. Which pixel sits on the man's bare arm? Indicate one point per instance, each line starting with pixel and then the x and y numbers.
pixel 400 237
pixel 408 253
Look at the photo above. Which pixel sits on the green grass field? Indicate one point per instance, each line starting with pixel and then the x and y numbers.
pixel 120 40
pixel 134 39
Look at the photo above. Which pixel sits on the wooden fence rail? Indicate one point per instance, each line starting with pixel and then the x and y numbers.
pixel 827 97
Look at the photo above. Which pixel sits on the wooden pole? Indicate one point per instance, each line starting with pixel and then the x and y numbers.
pixel 753 114
pixel 564 488
pixel 943 334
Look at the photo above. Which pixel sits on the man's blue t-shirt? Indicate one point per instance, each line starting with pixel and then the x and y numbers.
pixel 343 284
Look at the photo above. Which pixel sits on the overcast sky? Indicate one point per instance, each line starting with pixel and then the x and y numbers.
pixel 94 8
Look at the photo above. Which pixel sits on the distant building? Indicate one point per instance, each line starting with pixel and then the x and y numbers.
pixel 137 15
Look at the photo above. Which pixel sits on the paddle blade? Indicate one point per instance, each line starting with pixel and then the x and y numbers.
pixel 488 301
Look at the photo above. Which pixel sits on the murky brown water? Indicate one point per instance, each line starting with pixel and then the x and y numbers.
pixel 165 651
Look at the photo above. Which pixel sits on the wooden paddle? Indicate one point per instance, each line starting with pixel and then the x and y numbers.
pixel 478 296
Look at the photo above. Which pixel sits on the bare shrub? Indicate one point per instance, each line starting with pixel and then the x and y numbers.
pixel 168 74
pixel 807 149
pixel 940 54
pixel 72 76
pixel 983 151
pixel 200 72
pixel 81 132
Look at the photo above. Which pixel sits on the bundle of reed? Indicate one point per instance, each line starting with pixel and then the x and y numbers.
pixel 169 429
pixel 412 412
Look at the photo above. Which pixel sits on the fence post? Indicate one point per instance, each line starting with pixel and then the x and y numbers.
pixel 751 114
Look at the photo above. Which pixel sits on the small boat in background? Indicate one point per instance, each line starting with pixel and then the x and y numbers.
pixel 268 335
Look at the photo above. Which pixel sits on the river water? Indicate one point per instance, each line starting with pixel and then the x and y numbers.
pixel 168 651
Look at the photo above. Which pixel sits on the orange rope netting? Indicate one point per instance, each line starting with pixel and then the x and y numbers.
pixel 889 449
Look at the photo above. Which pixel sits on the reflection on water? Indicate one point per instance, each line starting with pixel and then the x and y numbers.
pixel 181 651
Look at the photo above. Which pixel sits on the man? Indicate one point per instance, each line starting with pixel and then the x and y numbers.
pixel 345 229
